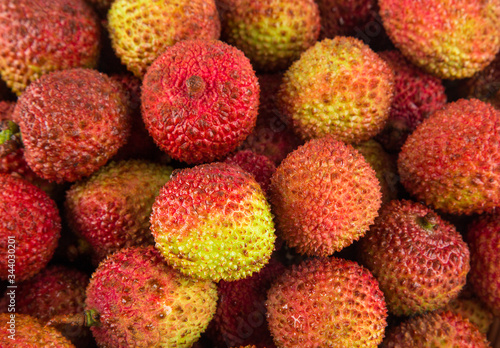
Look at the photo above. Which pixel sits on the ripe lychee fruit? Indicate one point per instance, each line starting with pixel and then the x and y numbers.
pixel 420 260
pixel 450 162
pixel 213 222
pixel 271 33
pixel 30 224
pixel 435 330
pixel 483 237
pixel 72 122
pixel 111 208
pixel 450 39
pixel 39 37
pixel 338 87
pixel 138 298
pixel 417 94
pixel 200 100
pixel 141 30
pixel 325 196
pixel 326 302
pixel 22 330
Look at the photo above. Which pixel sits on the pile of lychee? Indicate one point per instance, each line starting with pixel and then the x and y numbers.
pixel 250 173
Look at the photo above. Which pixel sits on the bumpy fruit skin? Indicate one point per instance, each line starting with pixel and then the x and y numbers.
pixel 111 208
pixel 271 33
pixel 31 226
pixel 484 84
pixel 240 318
pixel 200 100
pixel 39 37
pixel 213 222
pixel 484 241
pixel 450 39
pixel 438 329
pixel 260 166
pixel 450 162
pixel 30 333
pixel 417 94
pixel 72 122
pixel 325 196
pixel 339 87
pixel 384 165
pixel 420 260
pixel 273 134
pixel 141 30
pixel 326 302
pixel 474 310
pixel 56 290
pixel 142 300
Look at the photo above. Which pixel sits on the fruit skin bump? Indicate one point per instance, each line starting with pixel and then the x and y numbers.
pixel 141 30
pixel 213 222
pixel 39 37
pixel 450 162
pixel 72 122
pixel 451 39
pixel 111 208
pixel 325 196
pixel 326 302
pixel 339 87
pixel 29 333
pixel 483 237
pixel 438 329
pixel 271 33
pixel 420 260
pixel 200 100
pixel 141 300
pixel 31 226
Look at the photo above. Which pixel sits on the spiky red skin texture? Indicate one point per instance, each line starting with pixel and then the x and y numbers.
pixel 417 94
pixel 324 196
pixel 240 318
pixel 345 18
pixel 30 224
pixel 37 38
pixel 450 162
pixel 273 135
pixel 338 87
pixel 271 33
pixel 111 208
pixel 72 122
pixel 260 166
pixel 451 39
pixel 438 329
pixel 143 301
pixel 419 268
pixel 139 144
pixel 474 310
pixel 213 222
pixel 384 165
pixel 326 302
pixel 483 237
pixel 141 30
pixel 55 290
pixel 200 100
pixel 6 110
pixel 30 333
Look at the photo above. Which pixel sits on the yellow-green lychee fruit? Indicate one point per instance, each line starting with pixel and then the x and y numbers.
pixel 451 39
pixel 271 33
pixel 213 222
pixel 338 87
pixel 140 30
